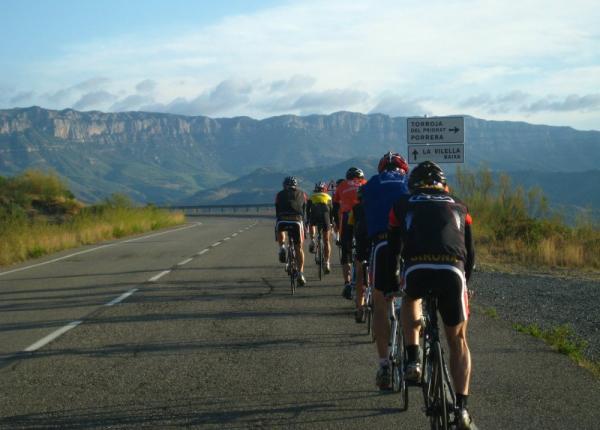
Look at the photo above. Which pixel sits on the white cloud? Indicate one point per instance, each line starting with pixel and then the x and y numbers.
pixel 324 56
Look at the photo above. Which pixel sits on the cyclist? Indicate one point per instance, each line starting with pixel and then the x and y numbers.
pixel 362 248
pixel 379 194
pixel 432 231
pixel 345 196
pixel 290 210
pixel 318 212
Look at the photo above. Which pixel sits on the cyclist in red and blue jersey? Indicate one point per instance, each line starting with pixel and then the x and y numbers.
pixel 378 194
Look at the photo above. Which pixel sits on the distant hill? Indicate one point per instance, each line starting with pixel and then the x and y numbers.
pixel 164 158
pixel 569 192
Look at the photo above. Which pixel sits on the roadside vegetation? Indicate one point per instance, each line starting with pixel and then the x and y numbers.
pixel 564 340
pixel 39 215
pixel 515 226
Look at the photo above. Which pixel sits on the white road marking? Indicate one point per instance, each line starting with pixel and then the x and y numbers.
pixel 215 244
pixel 121 297
pixel 186 261
pixel 46 340
pixel 234 234
pixel 226 239
pixel 204 251
pixel 160 275
pixel 95 249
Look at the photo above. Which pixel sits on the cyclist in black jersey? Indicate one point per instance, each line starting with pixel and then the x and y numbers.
pixel 431 229
pixel 290 209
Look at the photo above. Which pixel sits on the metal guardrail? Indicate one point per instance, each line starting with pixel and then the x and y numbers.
pixel 240 209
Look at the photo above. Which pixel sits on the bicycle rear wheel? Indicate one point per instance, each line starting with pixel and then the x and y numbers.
pixel 439 416
pixel 398 369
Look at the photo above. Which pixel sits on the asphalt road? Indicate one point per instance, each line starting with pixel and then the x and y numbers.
pixel 196 327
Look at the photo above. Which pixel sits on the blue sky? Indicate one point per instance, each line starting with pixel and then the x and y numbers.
pixel 528 60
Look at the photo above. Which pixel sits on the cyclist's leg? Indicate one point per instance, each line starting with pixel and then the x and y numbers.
pixel 327 244
pixel 360 287
pixel 381 323
pixel 460 357
pixel 453 306
pixel 299 247
pixel 417 282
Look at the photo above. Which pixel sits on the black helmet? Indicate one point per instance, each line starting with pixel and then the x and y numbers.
pixel 290 182
pixel 427 175
pixel 354 173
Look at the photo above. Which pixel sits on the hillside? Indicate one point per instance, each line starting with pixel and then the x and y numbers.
pixel 163 158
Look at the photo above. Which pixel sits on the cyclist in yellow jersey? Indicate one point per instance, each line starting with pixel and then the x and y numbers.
pixel 318 211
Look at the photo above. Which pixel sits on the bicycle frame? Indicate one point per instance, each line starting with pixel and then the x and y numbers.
pixel 292 264
pixel 397 352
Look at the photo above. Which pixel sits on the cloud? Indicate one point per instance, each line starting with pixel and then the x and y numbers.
pixel 330 99
pixel 574 102
pixel 394 105
pixel 94 99
pixel 295 83
pixel 22 97
pixel 131 102
pixel 146 86
pixel 88 85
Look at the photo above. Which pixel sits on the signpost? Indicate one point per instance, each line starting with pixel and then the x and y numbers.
pixel 439 139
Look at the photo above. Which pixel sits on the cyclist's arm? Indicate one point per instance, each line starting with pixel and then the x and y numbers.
pixel 394 247
pixel 470 263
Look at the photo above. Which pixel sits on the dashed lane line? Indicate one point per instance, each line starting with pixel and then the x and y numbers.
pixel 204 251
pixel 55 334
pixel 215 244
pixel 121 297
pixel 226 239
pixel 160 275
pixel 184 262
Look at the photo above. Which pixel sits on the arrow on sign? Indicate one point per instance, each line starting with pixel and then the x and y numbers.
pixel 415 153
pixel 455 130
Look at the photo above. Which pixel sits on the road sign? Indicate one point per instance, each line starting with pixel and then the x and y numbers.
pixel 450 153
pixel 435 130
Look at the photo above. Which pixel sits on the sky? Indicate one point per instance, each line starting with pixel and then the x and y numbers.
pixel 526 60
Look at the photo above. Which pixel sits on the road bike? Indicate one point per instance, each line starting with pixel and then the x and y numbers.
pixel 397 351
pixel 368 314
pixel 291 265
pixel 438 395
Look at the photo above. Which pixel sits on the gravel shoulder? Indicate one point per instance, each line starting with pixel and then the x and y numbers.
pixel 548 300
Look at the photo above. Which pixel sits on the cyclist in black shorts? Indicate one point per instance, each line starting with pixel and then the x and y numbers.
pixel 290 209
pixel 432 231
pixel 318 212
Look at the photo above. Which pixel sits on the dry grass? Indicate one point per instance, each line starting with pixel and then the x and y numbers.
pixel 22 241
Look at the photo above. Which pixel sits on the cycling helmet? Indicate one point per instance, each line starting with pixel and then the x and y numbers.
pixel 392 161
pixel 354 173
pixel 290 182
pixel 427 175
pixel 320 187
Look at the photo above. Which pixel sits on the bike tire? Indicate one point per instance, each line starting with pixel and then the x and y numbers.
pixel 398 362
pixel 439 417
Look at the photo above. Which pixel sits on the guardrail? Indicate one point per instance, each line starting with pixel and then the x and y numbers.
pixel 223 209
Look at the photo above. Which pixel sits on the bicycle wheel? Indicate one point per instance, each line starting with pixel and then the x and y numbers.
pixel 293 272
pixel 439 416
pixel 398 359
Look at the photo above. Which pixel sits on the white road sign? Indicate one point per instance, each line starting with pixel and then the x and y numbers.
pixel 451 153
pixel 435 130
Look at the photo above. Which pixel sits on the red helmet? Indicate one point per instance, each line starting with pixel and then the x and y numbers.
pixel 392 161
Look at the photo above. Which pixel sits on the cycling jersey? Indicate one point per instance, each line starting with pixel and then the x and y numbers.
pixel 432 228
pixel 345 194
pixel 358 222
pixel 318 210
pixel 290 203
pixel 379 194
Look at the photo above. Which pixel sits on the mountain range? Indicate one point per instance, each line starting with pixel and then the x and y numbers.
pixel 164 158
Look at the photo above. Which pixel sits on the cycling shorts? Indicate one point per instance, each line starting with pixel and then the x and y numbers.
pixel 362 249
pixel 293 228
pixel 448 284
pixel 321 219
pixel 346 239
pixel 379 266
